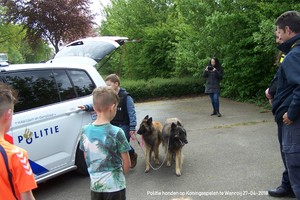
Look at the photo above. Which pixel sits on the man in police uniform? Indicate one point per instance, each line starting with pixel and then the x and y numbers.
pixel 286 103
pixel 285 189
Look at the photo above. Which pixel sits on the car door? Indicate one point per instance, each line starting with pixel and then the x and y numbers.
pixel 47 120
pixel 88 50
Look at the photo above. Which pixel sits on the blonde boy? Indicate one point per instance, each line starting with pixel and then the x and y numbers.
pixel 106 148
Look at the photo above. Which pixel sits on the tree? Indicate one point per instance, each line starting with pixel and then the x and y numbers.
pixel 55 21
pixel 13 42
pixel 243 36
pixel 179 37
pixel 149 21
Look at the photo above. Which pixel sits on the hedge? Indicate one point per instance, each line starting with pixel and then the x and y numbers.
pixel 158 88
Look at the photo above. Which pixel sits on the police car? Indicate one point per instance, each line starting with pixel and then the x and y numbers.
pixel 47 120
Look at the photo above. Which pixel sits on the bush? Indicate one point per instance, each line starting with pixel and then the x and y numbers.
pixel 157 88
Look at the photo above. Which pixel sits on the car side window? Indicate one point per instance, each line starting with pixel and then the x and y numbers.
pixel 43 87
pixel 65 88
pixel 82 82
pixel 35 88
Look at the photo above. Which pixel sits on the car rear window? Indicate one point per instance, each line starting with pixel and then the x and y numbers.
pixel 43 87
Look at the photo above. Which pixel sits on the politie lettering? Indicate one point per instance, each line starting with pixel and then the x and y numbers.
pixel 39 134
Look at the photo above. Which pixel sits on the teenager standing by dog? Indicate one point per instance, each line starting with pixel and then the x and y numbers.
pixel 105 148
pixel 126 115
pixel 213 74
pixel 286 103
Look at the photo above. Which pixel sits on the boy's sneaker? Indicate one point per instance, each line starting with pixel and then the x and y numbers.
pixel 133 159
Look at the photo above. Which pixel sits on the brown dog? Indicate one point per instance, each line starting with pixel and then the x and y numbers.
pixel 151 132
pixel 174 138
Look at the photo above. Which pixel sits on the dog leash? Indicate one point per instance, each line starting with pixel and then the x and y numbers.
pixel 154 168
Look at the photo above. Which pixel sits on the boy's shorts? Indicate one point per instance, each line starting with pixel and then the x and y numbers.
pixel 119 195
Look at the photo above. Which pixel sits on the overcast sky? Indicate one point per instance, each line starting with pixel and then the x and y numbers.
pixel 96 7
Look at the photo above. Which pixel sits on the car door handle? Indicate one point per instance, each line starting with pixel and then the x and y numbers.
pixel 73 111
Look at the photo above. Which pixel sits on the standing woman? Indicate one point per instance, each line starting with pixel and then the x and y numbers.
pixel 213 74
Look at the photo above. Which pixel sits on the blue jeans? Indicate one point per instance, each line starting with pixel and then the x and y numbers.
pixel 214 97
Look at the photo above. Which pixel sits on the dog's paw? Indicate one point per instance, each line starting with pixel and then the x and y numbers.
pixel 168 164
pixel 178 173
pixel 147 170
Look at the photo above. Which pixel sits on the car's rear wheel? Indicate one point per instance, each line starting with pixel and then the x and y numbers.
pixel 80 162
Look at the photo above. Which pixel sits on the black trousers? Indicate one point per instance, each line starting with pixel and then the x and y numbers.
pixel 119 195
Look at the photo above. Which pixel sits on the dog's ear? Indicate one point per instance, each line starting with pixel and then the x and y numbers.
pixel 173 126
pixel 178 123
pixel 149 121
pixel 147 116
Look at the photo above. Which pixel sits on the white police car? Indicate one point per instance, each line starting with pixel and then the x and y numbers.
pixel 46 120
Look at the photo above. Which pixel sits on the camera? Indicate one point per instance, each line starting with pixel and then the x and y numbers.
pixel 210 68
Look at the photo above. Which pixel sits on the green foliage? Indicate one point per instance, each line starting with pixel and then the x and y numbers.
pixel 176 39
pixel 157 88
pixel 153 23
pixel 13 42
pixel 179 37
